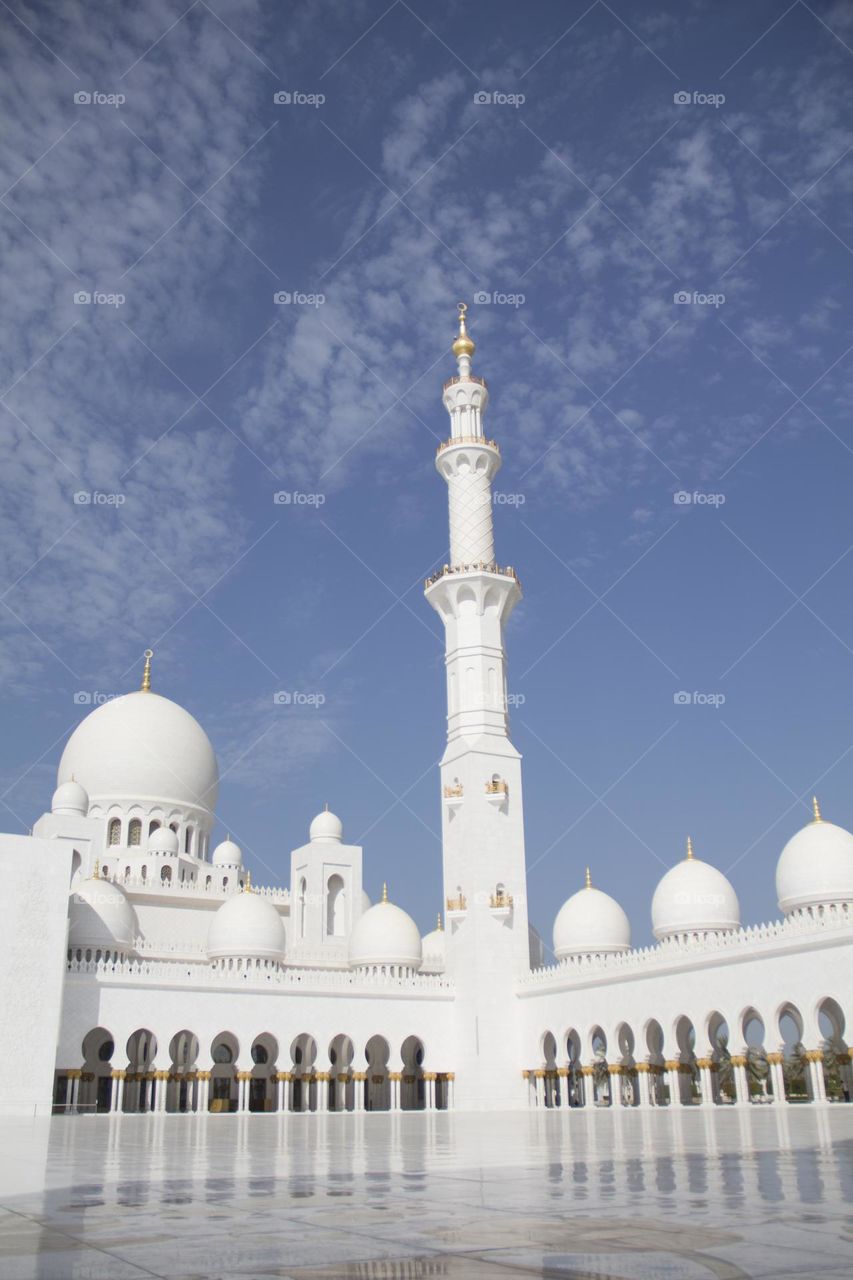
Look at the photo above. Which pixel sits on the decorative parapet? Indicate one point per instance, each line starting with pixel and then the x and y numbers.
pixel 469 377
pixel 675 953
pixel 190 888
pixel 500 901
pixel 457 904
pixel 447 444
pixel 479 567
pixel 177 973
pixel 452 793
pixel 497 787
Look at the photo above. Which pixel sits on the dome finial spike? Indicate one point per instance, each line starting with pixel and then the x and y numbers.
pixel 689 848
pixel 247 887
pixel 146 671
pixel 588 878
pixel 385 891
pixel 816 810
pixel 96 874
pixel 438 924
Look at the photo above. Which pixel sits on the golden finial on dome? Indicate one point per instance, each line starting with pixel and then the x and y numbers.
pixel 385 891
pixel 689 849
pixel 96 874
pixel 588 883
pixel 463 345
pixel 816 810
pixel 247 887
pixel 146 671
pixel 438 924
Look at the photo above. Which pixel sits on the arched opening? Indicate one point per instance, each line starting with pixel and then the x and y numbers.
pixel 139 1088
pixel 837 1068
pixel 134 832
pixel 653 1036
pixel 685 1082
pixel 757 1067
pixel 114 831
pixel 95 1093
pixel 335 907
pixel 303 906
pixel 721 1058
pixel 600 1077
pixel 182 1091
pixel 550 1081
pixel 224 1051
pixel 378 1085
pixel 303 1085
pixel 188 840
pixel 627 1081
pixel 413 1084
pixel 574 1078
pixel 795 1067
pixel 342 1087
pixel 263 1084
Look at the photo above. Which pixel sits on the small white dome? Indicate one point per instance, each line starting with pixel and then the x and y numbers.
pixel 100 915
pixel 227 854
pixel 164 841
pixel 694 897
pixel 326 826
pixel 385 935
pixel 816 867
pixel 142 747
pixel 70 798
pixel 434 950
pixel 589 923
pixel 246 927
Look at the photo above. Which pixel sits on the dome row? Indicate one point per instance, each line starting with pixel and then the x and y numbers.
pixel 814 871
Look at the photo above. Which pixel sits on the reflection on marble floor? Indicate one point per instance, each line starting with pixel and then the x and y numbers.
pixel 621 1195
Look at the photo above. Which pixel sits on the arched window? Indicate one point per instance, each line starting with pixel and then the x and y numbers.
pixel 144 874
pixel 303 906
pixel 335 907
pixel 208 881
pixel 173 826
pixel 134 832
pixel 154 826
pixel 224 882
pixel 188 839
pixel 165 875
pixel 126 874
pixel 114 831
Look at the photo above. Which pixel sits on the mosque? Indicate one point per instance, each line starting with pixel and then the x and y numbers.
pixel 143 972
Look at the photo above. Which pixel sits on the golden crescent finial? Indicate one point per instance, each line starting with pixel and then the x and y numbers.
pixel 385 891
pixel 96 874
pixel 816 810
pixel 438 924
pixel 588 878
pixel 146 671
pixel 689 848
pixel 463 345
pixel 247 887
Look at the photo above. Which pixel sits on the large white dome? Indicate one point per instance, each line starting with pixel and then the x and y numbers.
pixel 100 915
pixel 142 747
pixel 590 922
pixel 694 897
pixel 246 927
pixel 816 867
pixel 385 935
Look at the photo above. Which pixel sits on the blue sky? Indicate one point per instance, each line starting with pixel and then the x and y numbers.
pixel 691 149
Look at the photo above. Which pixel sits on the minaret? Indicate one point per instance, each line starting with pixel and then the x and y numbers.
pixel 482 817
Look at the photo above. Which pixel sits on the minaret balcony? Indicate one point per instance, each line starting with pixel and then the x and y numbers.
pixel 457 906
pixel 469 440
pixel 497 793
pixel 500 904
pixel 480 567
pixel 469 377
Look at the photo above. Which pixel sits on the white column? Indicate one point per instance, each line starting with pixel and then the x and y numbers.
pixel 118 1091
pixel 322 1090
pixel 358 1091
pixel 395 1090
pixel 706 1081
pixel 616 1099
pixel 644 1077
pixel 203 1091
pixel 279 1092
pixel 451 1089
pixel 72 1093
pixel 673 1079
pixel 741 1081
pixel 777 1078
pixel 815 1059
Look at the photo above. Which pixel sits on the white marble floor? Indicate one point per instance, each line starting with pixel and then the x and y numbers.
pixel 680 1195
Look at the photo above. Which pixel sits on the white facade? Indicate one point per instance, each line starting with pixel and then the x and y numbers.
pixel 167 982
